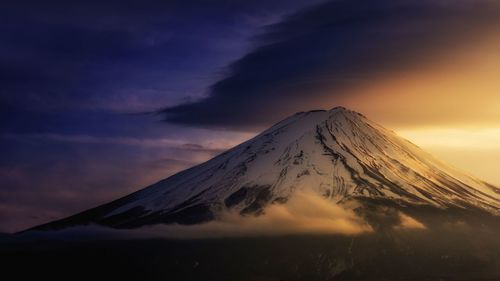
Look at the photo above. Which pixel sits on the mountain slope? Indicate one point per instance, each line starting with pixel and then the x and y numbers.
pixel 338 154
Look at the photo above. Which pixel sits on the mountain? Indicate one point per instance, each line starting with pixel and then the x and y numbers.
pixel 338 154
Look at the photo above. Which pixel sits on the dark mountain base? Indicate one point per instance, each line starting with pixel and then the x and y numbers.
pixel 462 251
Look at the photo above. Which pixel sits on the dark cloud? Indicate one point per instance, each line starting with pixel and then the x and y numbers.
pixel 127 55
pixel 327 50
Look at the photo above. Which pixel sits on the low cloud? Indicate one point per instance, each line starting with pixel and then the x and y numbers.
pixel 407 222
pixel 304 213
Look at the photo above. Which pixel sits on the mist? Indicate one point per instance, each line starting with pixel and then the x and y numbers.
pixel 305 213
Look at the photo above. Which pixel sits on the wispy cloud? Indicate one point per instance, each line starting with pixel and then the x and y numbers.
pixel 213 146
pixel 49 176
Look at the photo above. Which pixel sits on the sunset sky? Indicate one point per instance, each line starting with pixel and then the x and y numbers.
pixel 100 99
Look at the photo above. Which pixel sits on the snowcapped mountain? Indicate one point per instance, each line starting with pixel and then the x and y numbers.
pixel 338 154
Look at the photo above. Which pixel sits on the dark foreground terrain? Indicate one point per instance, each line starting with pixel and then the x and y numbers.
pixel 457 245
pixel 402 255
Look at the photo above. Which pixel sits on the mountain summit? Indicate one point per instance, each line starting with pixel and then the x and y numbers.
pixel 338 154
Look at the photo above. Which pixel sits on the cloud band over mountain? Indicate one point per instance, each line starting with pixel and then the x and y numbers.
pixel 323 53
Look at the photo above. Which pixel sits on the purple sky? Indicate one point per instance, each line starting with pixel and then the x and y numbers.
pixel 76 79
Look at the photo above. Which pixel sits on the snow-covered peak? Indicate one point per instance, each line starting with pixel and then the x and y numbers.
pixel 338 154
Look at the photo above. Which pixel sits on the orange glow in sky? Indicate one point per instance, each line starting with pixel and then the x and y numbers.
pixel 451 108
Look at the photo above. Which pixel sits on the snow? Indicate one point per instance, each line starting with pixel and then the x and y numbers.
pixel 338 154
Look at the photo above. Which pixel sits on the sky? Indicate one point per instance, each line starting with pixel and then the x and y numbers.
pixel 100 99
